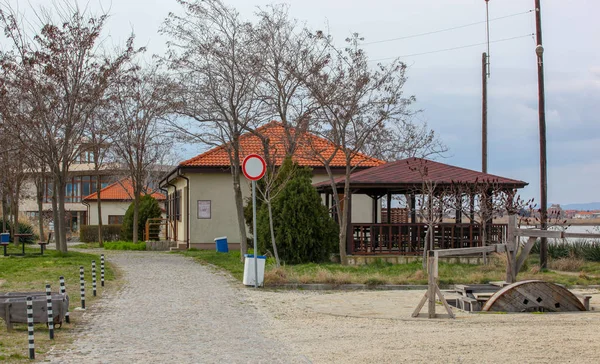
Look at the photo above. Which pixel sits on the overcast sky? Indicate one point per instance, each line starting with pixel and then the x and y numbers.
pixel 447 84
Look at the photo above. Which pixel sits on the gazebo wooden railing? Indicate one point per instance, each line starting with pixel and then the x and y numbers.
pixel 408 238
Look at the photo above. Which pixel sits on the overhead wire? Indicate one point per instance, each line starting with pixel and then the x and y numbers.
pixel 446 29
pixel 453 48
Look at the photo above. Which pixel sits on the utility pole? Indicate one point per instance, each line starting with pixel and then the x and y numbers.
pixel 485 73
pixel 539 50
pixel 484 113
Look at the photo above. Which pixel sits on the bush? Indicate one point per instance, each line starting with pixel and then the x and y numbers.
pixel 148 209
pixel 89 233
pixel 24 228
pixel 124 245
pixel 304 231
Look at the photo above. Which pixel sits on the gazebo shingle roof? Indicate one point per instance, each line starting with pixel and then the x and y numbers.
pixel 413 171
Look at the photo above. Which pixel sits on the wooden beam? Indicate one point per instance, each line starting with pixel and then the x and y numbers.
pixel 554 234
pixel 524 254
pixel 467 251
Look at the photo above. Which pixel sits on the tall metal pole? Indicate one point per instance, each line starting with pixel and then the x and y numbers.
pixel 484 113
pixel 539 50
pixel 254 230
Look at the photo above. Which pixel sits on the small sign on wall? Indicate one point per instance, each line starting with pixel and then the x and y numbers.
pixel 204 209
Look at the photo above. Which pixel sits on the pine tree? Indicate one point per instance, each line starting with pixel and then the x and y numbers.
pixel 304 231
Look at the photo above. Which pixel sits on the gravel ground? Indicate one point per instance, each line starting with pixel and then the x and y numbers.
pixel 173 310
pixel 377 327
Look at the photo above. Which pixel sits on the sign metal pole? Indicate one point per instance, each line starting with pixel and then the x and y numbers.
pixel 254 230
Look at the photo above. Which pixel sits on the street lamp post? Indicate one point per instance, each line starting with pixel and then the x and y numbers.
pixel 539 51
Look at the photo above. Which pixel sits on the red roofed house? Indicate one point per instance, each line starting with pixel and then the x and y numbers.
pixel 201 205
pixel 116 198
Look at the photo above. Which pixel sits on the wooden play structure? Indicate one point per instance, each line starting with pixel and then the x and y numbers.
pixel 508 296
pixel 13 307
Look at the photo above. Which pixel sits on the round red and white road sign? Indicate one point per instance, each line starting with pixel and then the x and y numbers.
pixel 254 167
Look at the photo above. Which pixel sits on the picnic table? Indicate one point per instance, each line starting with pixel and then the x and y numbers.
pixel 23 238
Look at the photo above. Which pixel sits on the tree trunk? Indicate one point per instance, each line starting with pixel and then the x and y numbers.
pixel 99 201
pixel 55 216
pixel 14 219
pixel 239 205
pixel 136 216
pixel 277 263
pixel 343 219
pixel 62 215
pixel 40 202
pixel 4 208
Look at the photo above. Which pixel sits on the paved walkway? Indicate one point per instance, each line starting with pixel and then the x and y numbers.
pixel 173 310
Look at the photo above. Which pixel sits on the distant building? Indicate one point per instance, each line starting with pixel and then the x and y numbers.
pixel 556 212
pixel 587 215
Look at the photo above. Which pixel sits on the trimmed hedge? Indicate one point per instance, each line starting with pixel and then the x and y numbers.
pixel 89 233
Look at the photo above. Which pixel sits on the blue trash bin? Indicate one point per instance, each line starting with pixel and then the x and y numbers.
pixel 4 238
pixel 221 244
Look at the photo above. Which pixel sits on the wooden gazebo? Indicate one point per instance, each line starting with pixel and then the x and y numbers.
pixel 409 177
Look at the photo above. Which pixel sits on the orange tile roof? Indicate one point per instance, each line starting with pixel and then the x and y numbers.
pixel 122 191
pixel 304 155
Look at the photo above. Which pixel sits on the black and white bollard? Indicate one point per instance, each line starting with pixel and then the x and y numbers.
pixel 30 327
pixel 49 308
pixel 64 291
pixel 102 270
pixel 82 289
pixel 94 278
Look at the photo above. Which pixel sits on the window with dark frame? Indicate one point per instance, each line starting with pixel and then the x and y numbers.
pixel 115 219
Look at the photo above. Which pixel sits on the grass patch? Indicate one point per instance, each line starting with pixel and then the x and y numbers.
pixel 31 273
pixel 87 246
pixel 124 245
pixel 382 272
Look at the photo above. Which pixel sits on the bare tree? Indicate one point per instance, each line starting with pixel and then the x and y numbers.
pixel 98 138
pixel 288 56
pixel 217 66
pixel 353 102
pixel 402 139
pixel 139 105
pixel 62 76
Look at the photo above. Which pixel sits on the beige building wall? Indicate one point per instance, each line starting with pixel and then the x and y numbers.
pixel 108 208
pixel 218 189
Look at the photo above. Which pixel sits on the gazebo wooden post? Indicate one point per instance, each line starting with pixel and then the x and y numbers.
pixel 389 207
pixel 472 209
pixel 458 211
pixel 374 208
pixel 413 209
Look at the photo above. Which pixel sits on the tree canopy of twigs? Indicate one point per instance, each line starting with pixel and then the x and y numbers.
pixel 59 76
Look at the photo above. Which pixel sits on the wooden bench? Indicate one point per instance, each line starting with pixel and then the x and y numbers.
pixel 585 299
pixel 469 304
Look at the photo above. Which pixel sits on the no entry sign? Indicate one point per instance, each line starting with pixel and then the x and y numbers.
pixel 254 167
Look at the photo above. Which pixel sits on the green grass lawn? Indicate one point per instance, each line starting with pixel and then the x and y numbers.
pixel 31 273
pixel 386 273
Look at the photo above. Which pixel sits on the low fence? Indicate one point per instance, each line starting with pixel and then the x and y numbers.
pixel 409 239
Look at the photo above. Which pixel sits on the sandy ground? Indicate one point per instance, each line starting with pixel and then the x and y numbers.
pixel 377 327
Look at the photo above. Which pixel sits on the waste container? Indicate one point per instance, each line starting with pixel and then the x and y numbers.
pixel 221 244
pixel 4 238
pixel 249 269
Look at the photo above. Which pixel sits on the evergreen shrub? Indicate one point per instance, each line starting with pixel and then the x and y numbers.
pixel 304 231
pixel 149 209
